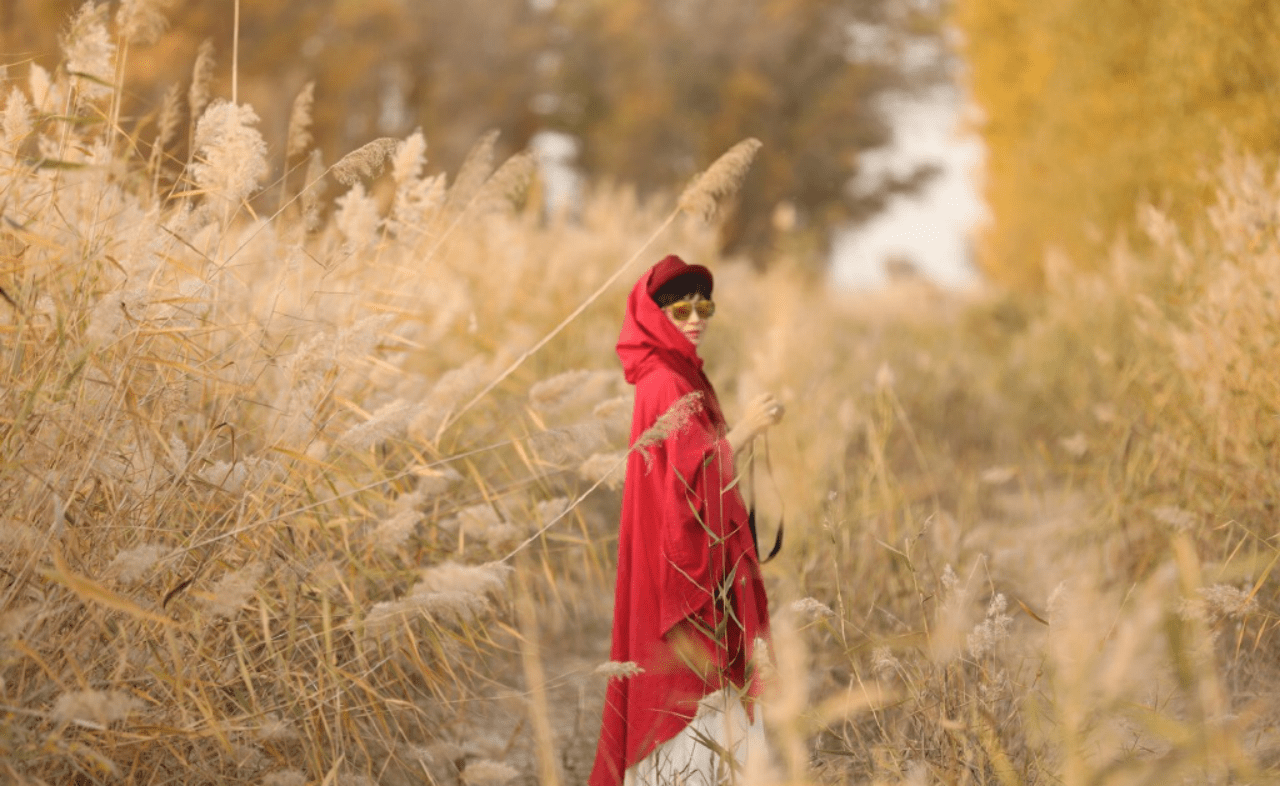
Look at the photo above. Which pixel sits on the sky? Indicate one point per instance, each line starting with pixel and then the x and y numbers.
pixel 932 229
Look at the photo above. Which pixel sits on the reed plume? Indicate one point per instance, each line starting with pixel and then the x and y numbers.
pixel 201 78
pixel 604 468
pixel 143 21
pixel 484 579
pixel 365 161
pixel 671 422
pixel 357 216
pixel 285 777
pixel 231 156
pixel 488 772
pixel 94 708
pixel 90 52
pixel 312 192
pixel 720 182
pixel 132 565
pixel 45 94
pixel 233 590
pixel 810 608
pixel 618 669
pixel 571 444
pixel 409 159
pixel 166 130
pixel 167 124
pixel 392 532
pixel 507 187
pixel 416 197
pixel 475 170
pixel 299 138
pixel 17 120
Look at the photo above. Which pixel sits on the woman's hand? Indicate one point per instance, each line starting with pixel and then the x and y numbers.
pixel 763 412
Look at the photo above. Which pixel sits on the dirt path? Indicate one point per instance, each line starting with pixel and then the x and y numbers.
pixel 1035 544
pixel 499 725
pixel 1030 546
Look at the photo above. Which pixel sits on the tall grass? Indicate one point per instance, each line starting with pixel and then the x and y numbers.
pixel 309 479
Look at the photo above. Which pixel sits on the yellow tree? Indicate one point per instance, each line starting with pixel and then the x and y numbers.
pixel 1091 107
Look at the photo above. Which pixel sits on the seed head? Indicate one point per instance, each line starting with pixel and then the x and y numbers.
pixel 44 93
pixel 507 187
pixel 484 579
pixel 357 216
pixel 475 170
pixel 811 608
pixel 314 190
pixel 619 669
pixel 90 51
pixel 365 161
pixel 131 565
pixel 673 421
pixel 233 590
pixel 300 121
pixel 993 630
pixel 167 126
pixel 410 158
pixel 285 776
pixel 393 531
pixel 1218 602
pixel 1176 518
pixel 720 182
pixel 231 154
pixel 17 119
pixel 201 77
pixel 488 772
pixel 884 663
pixel 94 708
pixel 604 467
pixel 143 21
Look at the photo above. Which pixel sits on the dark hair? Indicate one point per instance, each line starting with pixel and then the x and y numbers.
pixel 681 286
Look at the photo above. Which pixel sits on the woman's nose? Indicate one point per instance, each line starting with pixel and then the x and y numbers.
pixel 694 316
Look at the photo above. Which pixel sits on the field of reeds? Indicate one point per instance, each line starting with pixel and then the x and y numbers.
pixel 310 473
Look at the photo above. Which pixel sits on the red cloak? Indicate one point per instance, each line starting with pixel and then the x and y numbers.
pixel 683 535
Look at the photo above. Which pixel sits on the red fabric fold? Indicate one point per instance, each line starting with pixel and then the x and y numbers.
pixel 687 567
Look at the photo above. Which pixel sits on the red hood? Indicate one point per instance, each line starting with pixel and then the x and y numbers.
pixel 648 337
pixel 686 560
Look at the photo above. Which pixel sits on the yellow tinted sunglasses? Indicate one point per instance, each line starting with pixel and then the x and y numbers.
pixel 683 310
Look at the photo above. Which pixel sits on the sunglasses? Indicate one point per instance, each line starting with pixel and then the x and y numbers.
pixel 683 310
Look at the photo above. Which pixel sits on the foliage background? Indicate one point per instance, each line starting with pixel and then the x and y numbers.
pixel 650 89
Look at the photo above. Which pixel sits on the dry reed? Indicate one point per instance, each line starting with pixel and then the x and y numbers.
pixel 266 491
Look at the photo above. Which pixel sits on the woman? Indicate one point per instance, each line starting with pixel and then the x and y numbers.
pixel 689 605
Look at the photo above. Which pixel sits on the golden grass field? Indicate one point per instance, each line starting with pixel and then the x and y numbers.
pixel 298 494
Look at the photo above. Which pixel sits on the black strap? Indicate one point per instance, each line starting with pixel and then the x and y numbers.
pixel 751 511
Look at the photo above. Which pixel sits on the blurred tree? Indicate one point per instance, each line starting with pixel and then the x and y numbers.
pixel 655 90
pixel 381 67
pixel 1091 107
pixel 384 67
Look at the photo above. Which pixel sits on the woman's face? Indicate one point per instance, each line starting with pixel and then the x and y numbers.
pixel 690 314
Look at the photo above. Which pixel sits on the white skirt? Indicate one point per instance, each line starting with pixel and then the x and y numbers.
pixel 694 756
